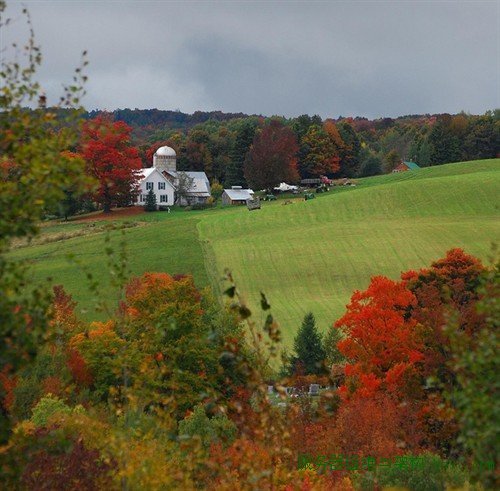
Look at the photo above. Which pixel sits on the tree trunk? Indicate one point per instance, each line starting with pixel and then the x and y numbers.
pixel 107 201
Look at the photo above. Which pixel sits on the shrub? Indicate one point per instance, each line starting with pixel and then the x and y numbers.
pixel 47 407
pixel 210 430
pixel 200 206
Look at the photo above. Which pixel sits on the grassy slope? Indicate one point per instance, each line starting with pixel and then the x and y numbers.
pixel 312 255
pixel 305 256
pixel 164 242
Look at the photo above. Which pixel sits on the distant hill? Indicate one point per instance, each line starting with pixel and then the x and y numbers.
pixel 170 119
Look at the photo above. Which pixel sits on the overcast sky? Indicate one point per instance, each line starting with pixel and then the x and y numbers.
pixel 352 58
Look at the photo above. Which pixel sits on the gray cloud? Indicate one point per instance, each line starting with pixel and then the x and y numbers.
pixel 351 58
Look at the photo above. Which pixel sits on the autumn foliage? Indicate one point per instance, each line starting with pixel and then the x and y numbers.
pixel 272 158
pixel 110 159
pixel 123 391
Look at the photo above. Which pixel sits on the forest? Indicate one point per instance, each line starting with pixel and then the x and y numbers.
pixel 218 143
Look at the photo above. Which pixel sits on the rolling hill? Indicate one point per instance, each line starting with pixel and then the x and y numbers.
pixel 307 255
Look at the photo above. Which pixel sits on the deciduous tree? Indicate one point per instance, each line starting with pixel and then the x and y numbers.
pixel 272 158
pixel 111 159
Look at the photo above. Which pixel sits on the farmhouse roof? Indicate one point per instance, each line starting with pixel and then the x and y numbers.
pixel 145 173
pixel 239 194
pixel 411 165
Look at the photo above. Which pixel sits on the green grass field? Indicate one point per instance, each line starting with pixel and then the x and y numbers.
pixel 306 256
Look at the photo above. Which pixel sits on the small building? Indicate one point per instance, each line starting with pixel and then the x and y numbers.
pixel 236 196
pixel 152 179
pixel 406 165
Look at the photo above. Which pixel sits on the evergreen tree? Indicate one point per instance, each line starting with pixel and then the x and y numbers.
pixel 243 141
pixel 309 352
pixel 150 204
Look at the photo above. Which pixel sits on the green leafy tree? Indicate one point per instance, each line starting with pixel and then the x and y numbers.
pixel 183 185
pixel 35 172
pixel 349 158
pixel 371 166
pixel 476 363
pixel 150 203
pixel 216 429
pixel 333 356
pixel 445 145
pixel 482 140
pixel 391 161
pixel 216 189
pixel 46 408
pixel 309 353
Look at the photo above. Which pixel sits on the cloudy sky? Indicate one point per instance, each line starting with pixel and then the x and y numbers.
pixel 349 58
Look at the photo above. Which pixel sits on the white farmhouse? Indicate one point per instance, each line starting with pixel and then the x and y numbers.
pixel 152 178
pixel 162 178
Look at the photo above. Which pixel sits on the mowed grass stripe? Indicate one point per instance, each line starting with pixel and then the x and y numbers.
pixel 312 255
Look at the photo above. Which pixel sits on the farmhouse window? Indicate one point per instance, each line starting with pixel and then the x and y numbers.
pixel 141 198
pixel 161 185
pixel 163 198
pixel 149 185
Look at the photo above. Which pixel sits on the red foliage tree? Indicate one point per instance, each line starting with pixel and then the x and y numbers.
pixel 376 426
pixel 450 281
pixel 78 368
pixel 76 467
pixel 272 158
pixel 110 159
pixel 383 342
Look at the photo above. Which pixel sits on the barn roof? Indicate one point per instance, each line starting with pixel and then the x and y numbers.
pixel 191 174
pixel 200 187
pixel 411 165
pixel 239 194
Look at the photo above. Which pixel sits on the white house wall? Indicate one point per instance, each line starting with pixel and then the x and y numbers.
pixel 156 178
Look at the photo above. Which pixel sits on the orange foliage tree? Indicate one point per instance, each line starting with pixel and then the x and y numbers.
pixel 383 343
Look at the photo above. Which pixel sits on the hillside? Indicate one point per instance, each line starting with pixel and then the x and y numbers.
pixel 306 256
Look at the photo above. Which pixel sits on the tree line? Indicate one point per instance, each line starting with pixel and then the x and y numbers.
pixel 342 147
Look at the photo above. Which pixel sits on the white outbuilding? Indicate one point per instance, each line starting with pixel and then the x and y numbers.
pixel 236 196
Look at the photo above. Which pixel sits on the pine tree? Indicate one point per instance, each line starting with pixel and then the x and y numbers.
pixel 243 141
pixel 309 352
pixel 150 204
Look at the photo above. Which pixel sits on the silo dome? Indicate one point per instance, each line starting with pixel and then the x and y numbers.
pixel 165 152
pixel 164 159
